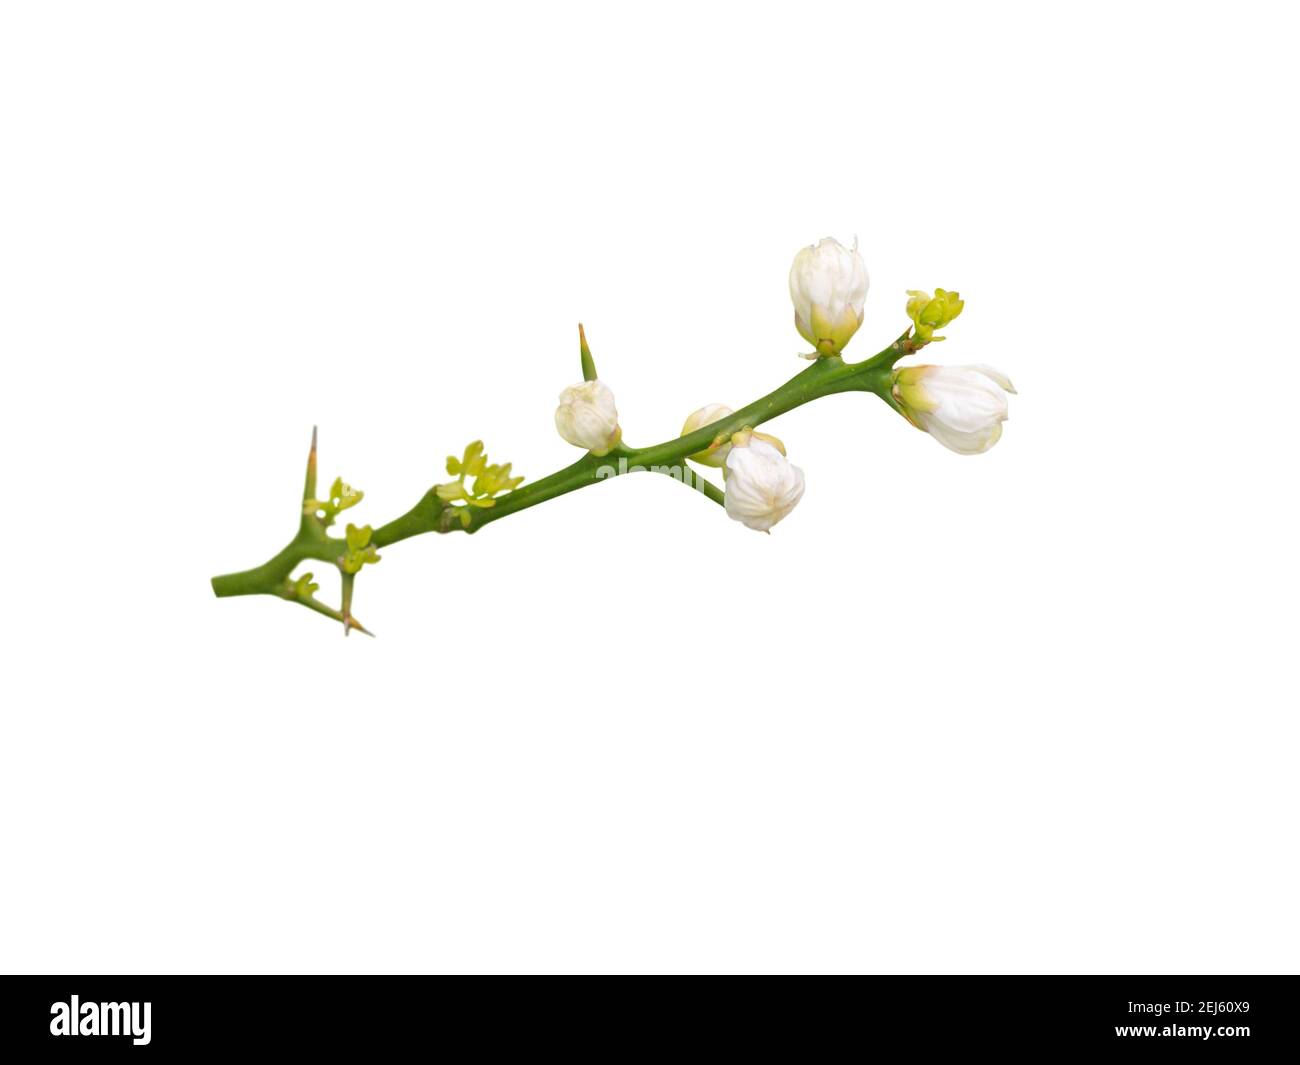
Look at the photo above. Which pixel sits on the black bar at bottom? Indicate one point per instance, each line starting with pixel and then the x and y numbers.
pixel 79 1015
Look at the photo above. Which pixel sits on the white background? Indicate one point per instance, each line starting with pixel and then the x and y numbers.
pixel 1029 711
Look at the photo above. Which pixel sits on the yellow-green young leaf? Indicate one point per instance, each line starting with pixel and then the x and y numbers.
pixel 477 480
pixel 358 557
pixel 931 313
pixel 463 515
pixel 916 301
pixel 358 538
pixel 490 481
pixel 474 461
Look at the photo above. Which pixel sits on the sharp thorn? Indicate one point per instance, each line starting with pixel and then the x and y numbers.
pixel 309 485
pixel 588 363
pixel 350 623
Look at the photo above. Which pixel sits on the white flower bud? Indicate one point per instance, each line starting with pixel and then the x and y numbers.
pixel 715 455
pixel 828 285
pixel 963 407
pixel 587 417
pixel 762 486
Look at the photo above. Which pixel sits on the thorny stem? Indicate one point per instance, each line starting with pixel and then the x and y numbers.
pixel 826 376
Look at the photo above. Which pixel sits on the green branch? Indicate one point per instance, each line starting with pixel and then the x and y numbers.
pixel 826 376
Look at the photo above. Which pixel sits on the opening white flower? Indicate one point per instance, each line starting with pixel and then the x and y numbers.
pixel 716 454
pixel 587 417
pixel 963 407
pixel 762 485
pixel 828 286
